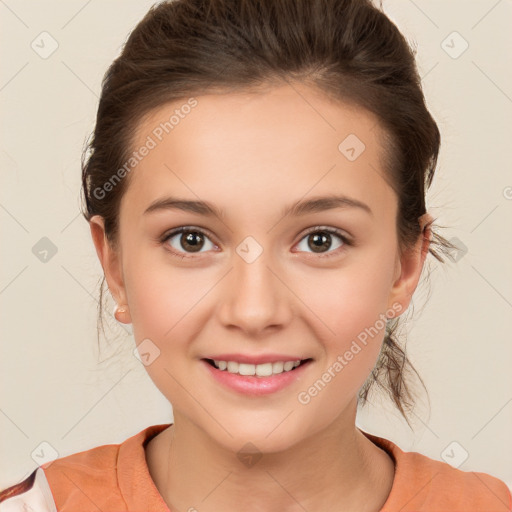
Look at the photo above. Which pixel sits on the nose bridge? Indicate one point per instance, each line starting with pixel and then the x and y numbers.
pixel 254 297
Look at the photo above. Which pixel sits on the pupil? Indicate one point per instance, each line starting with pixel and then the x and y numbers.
pixel 322 239
pixel 191 240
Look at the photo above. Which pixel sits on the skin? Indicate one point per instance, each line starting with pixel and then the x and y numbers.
pixel 252 155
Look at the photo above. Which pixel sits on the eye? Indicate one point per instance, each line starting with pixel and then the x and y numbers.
pixel 319 240
pixel 190 239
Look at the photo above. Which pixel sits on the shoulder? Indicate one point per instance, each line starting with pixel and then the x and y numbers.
pixel 425 484
pixel 439 484
pixel 85 478
pixel 100 478
pixel 66 482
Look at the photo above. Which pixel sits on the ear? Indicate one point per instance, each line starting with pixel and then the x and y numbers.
pixel 110 259
pixel 410 265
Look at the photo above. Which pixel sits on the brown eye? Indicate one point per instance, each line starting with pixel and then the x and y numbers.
pixel 189 240
pixel 320 241
pixel 192 240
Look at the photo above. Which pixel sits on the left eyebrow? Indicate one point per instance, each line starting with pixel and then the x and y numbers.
pixel 316 204
pixel 320 204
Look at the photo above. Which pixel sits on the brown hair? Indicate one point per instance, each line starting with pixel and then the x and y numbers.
pixel 347 49
pixel 19 488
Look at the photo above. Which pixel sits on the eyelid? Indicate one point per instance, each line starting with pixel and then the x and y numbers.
pixel 335 231
pixel 172 232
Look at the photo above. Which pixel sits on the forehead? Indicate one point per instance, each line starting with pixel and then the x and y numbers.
pixel 275 146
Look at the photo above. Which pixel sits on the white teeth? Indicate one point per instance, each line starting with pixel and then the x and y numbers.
pixel 261 370
pixel 232 367
pixel 277 367
pixel 288 366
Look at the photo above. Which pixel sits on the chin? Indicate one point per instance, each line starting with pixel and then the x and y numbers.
pixel 265 435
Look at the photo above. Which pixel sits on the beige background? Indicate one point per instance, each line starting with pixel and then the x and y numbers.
pixel 52 388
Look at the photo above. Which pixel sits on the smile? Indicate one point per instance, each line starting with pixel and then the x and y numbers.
pixel 256 379
pixel 260 370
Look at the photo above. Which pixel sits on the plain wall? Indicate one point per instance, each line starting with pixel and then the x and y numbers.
pixel 52 387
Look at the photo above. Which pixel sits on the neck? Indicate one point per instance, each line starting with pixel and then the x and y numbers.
pixel 334 469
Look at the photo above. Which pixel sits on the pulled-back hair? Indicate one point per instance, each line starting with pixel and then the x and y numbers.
pixel 347 49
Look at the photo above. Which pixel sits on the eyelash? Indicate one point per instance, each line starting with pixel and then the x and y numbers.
pixel 317 229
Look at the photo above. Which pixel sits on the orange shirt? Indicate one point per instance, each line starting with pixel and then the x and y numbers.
pixel 115 477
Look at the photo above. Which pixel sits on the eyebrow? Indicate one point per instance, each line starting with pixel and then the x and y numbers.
pixel 316 204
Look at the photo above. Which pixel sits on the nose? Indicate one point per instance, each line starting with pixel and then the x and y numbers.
pixel 255 297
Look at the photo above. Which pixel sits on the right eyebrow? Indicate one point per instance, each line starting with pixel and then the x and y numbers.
pixel 173 203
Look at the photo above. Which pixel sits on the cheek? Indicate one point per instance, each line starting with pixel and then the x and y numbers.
pixel 163 298
pixel 164 306
pixel 351 325
pixel 349 307
pixel 349 300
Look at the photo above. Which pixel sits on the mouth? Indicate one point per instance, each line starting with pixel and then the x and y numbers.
pixel 257 370
pixel 263 376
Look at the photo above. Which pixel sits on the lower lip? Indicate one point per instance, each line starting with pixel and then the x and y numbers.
pixel 252 385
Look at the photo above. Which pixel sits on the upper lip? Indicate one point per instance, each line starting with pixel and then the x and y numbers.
pixel 260 359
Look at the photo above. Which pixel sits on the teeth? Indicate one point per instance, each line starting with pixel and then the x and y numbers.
pixel 261 370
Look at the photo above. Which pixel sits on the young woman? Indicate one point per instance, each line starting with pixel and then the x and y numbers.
pixel 255 190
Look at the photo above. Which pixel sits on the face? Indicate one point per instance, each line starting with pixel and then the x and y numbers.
pixel 313 284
